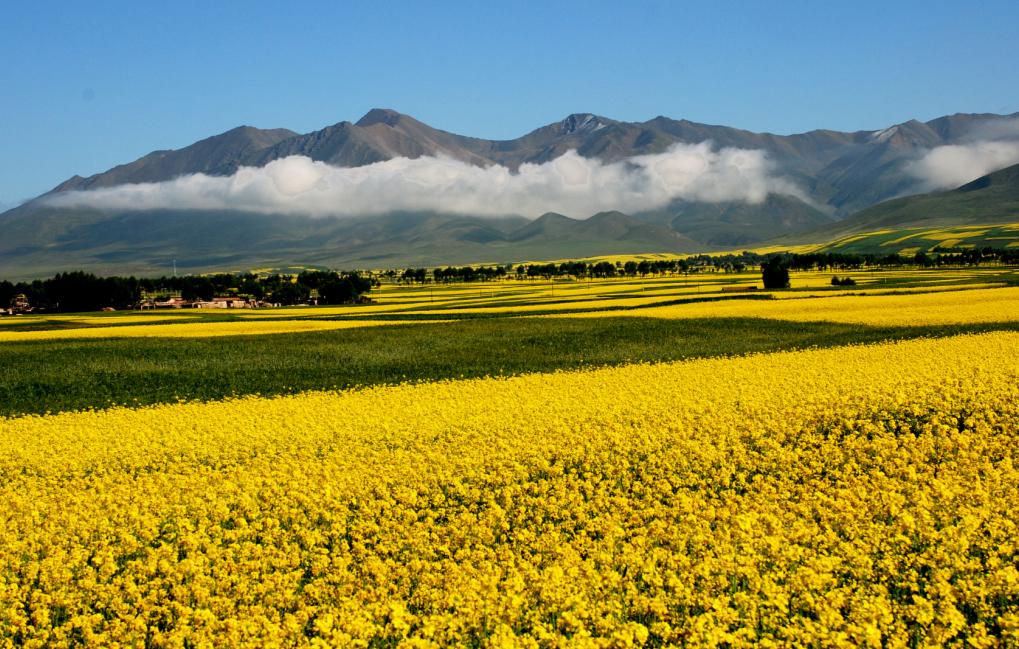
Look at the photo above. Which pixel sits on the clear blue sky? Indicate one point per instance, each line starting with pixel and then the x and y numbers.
pixel 85 86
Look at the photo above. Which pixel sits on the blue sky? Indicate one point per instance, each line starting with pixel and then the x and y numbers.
pixel 85 86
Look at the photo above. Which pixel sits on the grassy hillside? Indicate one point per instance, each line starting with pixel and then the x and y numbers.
pixel 980 213
pixel 909 241
pixel 40 241
pixel 991 199
pixel 737 223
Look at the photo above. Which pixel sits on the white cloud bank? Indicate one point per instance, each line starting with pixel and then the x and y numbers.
pixel 570 184
pixel 987 148
pixel 947 167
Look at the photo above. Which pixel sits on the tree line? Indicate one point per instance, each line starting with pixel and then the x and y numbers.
pixel 577 269
pixel 941 257
pixel 775 268
pixel 736 262
pixel 81 291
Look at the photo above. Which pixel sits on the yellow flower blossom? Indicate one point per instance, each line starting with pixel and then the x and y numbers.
pixel 856 496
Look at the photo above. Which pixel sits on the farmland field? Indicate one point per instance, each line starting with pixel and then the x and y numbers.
pixel 669 460
pixel 909 241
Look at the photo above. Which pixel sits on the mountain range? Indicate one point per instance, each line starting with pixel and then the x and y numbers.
pixel 838 174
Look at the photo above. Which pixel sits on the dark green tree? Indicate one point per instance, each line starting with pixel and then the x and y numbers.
pixel 775 272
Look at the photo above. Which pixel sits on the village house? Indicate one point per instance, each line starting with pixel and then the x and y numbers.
pixel 169 302
pixel 225 302
pixel 217 302
pixel 19 305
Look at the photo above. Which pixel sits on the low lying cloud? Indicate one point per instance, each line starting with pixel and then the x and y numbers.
pixel 948 167
pixel 570 184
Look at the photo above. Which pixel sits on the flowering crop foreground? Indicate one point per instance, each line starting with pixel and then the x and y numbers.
pixel 856 496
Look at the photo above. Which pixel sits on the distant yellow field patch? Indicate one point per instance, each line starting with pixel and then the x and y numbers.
pixel 98 320
pixel 901 239
pixel 856 237
pixel 193 329
pixel 648 256
pixel 945 235
pixel 955 307
pixel 877 289
pixel 818 280
pixel 767 250
pixel 134 319
pixel 310 312
pixel 20 320
pixel 609 305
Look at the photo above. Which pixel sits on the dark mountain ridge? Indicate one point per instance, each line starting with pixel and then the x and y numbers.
pixel 846 171
pixel 219 155
pixel 838 173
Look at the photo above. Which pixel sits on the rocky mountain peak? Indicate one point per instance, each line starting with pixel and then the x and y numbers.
pixel 581 123
pixel 380 116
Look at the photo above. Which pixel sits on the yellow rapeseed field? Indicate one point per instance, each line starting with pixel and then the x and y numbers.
pixel 569 304
pixel 190 329
pixel 80 320
pixel 856 496
pixel 876 289
pixel 121 319
pixel 917 309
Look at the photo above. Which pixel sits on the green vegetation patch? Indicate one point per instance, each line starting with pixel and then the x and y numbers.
pixel 908 241
pixel 73 375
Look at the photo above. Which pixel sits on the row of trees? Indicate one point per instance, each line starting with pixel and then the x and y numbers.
pixel 80 291
pixel 577 269
pixel 942 257
pixel 823 261
pixel 699 263
pixel 775 268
